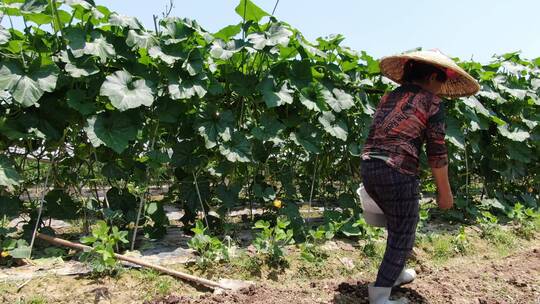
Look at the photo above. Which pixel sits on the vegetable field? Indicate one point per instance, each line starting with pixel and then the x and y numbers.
pixel 97 112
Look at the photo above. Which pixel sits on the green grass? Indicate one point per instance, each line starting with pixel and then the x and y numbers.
pixel 33 300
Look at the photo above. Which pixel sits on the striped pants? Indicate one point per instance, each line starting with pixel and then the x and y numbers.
pixel 397 195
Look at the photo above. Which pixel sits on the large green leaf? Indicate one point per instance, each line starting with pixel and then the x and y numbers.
pixel 454 133
pixel 309 137
pixel 216 125
pixel 269 129
pixel 27 89
pixel 97 46
pixel 78 100
pixel 312 98
pixel 194 63
pixel 516 135
pixel 9 177
pixel 238 149
pixel 249 11
pixel 34 6
pixel 141 40
pixel 4 35
pixel 61 206
pixel 125 21
pixel 276 35
pixel 335 128
pixel 228 32
pixel 166 54
pixel 225 50
pixel 127 92
pixel 275 97
pixel 113 130
pixel 176 30
pixel 338 99
pixel 10 206
pixel 185 88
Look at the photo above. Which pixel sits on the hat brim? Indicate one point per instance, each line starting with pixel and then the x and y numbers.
pixel 461 84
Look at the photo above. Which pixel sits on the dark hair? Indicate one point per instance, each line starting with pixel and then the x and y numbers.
pixel 415 70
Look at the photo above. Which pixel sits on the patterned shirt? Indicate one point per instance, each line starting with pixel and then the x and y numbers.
pixel 405 119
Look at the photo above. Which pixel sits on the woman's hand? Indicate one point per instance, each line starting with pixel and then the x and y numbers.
pixel 445 199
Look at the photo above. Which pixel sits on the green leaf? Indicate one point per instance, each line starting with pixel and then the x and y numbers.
pixel 166 55
pixel 27 89
pixel 10 206
pixel 516 135
pixel 125 21
pixel 113 130
pixel 142 40
pixel 224 51
pixel 98 46
pixel 454 133
pixel 476 105
pixel 38 18
pixel 308 137
pixel 214 126
pixel 9 177
pixel 269 129
pixel 338 99
pixel 335 128
pixel 247 10
pixel 22 251
pixel 4 35
pixel 77 100
pixel 176 30
pixel 275 98
pixel 238 149
pixel 46 77
pixel 185 88
pixel 228 32
pixel 127 92
pixel 34 6
pixel 194 63
pixel 276 35
pixel 61 206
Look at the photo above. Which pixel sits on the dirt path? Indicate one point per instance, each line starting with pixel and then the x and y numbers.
pixel 514 279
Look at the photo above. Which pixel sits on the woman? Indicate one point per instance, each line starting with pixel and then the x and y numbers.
pixel 406 118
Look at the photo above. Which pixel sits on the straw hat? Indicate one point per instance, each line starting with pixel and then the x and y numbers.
pixel 458 84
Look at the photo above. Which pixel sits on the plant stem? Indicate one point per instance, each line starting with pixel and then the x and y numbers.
pixel 200 198
pixel 312 185
pixel 40 210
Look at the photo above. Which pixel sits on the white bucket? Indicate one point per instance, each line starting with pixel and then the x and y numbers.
pixel 372 212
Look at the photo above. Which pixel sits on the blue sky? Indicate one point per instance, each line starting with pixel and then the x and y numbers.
pixel 467 29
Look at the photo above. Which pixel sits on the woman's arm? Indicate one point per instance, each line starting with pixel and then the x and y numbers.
pixel 438 155
pixel 445 199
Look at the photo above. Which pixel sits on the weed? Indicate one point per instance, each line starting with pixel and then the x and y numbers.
pixel 103 240
pixel 524 220
pixel 310 250
pixel 32 300
pixel 209 249
pixel 461 242
pixel 492 231
pixel 270 241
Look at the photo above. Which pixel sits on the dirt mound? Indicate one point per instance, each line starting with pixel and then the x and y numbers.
pixel 255 294
pixel 513 280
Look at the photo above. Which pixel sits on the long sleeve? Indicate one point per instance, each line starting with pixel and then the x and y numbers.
pixel 436 150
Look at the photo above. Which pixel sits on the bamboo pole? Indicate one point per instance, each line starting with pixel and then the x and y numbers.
pixel 174 273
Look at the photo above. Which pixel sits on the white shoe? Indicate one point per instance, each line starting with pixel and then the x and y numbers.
pixel 381 295
pixel 405 277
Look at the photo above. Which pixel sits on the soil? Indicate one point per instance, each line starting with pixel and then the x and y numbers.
pixel 514 279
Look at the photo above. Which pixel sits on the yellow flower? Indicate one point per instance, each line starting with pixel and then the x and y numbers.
pixel 4 254
pixel 277 203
